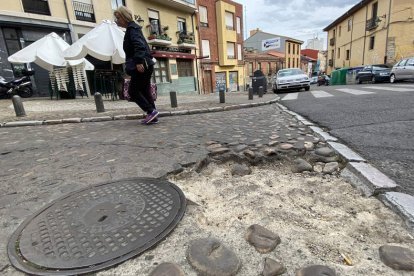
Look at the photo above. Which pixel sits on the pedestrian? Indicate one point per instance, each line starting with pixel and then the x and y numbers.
pixel 139 64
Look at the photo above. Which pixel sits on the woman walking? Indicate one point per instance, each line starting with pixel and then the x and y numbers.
pixel 138 64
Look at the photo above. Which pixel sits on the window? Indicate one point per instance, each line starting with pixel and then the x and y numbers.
pixel 154 19
pixel 230 50
pixel 84 10
pixel 340 31
pixel 36 6
pixel 289 63
pixel 203 16
pixel 259 66
pixel 410 62
pixel 269 68
pixel 229 21
pixel 348 54
pixel 339 52
pixel 205 44
pixel 160 71
pixel 349 25
pixel 181 26
pixel 374 10
pixel 250 68
pixel 238 25
pixel 372 42
pixel 185 67
pixel 288 48
pixel 239 52
pixel 298 49
pixel 116 3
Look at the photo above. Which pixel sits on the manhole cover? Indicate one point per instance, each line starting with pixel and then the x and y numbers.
pixel 96 227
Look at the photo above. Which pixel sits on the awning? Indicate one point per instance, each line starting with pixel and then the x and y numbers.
pixel 162 54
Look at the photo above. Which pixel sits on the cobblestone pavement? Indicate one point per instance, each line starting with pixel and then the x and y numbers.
pixel 42 163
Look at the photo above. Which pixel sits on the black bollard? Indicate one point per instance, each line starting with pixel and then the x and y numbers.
pixel 18 106
pixel 222 95
pixel 99 102
pixel 260 91
pixel 173 98
pixel 250 93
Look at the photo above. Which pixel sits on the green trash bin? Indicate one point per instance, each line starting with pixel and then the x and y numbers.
pixel 338 77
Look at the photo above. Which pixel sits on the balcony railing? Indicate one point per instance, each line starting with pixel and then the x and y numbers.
pixel 330 62
pixel 84 12
pixel 36 6
pixel 332 41
pixel 182 5
pixel 372 23
pixel 185 37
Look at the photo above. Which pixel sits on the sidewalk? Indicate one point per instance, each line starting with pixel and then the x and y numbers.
pixel 40 109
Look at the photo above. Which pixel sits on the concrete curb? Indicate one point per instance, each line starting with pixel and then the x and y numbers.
pixel 135 116
pixel 363 176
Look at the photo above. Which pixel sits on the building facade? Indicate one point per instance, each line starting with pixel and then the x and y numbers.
pixel 261 42
pixel 168 25
pixel 220 26
pixel 371 32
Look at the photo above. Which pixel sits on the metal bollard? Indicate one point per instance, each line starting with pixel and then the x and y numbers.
pixel 18 106
pixel 260 91
pixel 250 93
pixel 173 98
pixel 222 95
pixel 99 102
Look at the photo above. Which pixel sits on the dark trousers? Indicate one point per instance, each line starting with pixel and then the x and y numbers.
pixel 139 89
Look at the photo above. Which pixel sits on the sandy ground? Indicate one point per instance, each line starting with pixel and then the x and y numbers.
pixel 320 219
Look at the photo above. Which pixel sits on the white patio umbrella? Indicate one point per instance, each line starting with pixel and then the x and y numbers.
pixel 47 52
pixel 103 42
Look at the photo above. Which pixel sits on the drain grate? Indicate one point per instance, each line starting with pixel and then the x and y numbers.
pixel 97 227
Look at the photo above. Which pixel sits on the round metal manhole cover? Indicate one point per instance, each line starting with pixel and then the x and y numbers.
pixel 97 227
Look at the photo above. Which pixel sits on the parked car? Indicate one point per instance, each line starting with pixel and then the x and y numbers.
pixel 403 70
pixel 374 73
pixel 290 78
pixel 323 80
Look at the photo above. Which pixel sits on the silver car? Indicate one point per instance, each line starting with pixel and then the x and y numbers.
pixel 403 70
pixel 290 78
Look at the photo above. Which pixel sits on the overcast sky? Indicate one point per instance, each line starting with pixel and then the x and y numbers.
pixel 300 19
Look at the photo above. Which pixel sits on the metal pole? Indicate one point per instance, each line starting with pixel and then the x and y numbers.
pixel 250 93
pixel 18 106
pixel 99 102
pixel 173 98
pixel 260 91
pixel 222 95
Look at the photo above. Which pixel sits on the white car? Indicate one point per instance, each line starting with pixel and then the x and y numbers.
pixel 290 78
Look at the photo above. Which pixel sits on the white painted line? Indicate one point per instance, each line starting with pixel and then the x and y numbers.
pixel 403 85
pixel 354 91
pixel 290 96
pixel 320 94
pixel 386 88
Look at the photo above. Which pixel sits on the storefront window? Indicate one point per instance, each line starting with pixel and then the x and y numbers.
pixel 160 71
pixel 185 68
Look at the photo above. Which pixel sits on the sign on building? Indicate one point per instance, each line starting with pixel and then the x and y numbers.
pixel 270 44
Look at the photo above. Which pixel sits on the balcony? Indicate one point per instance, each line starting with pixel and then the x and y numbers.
pixel 182 5
pixel 36 6
pixel 84 12
pixel 158 36
pixel 372 23
pixel 332 41
pixel 330 62
pixel 186 40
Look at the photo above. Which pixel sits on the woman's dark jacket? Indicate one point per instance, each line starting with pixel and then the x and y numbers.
pixel 135 46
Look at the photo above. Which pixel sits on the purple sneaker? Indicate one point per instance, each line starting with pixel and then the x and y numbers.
pixel 152 116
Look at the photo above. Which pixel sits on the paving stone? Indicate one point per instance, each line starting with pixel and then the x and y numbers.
pixel 286 146
pixel 219 150
pixel 316 270
pixel 211 147
pixel 167 269
pixel 273 143
pixel 397 257
pixel 273 268
pixel 330 167
pixel 309 145
pixel 269 152
pixel 249 154
pixel 210 257
pixel 300 165
pixel 241 170
pixel 263 240
pixel 325 151
pixel 240 148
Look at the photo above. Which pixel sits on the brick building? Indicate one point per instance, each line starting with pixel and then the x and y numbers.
pixel 220 25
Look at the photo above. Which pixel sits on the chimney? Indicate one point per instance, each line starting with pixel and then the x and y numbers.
pixel 252 32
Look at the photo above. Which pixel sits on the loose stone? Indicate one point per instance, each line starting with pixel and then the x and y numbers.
pixel 210 257
pixel 273 143
pixel 269 151
pixel 325 151
pixel 249 154
pixel 240 148
pixel 330 167
pixel 169 269
pixel 273 268
pixel 219 150
pixel 316 270
pixel 241 170
pixel 308 145
pixel 213 146
pixel 262 239
pixel 286 146
pixel 397 257
pixel 318 167
pixel 301 165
